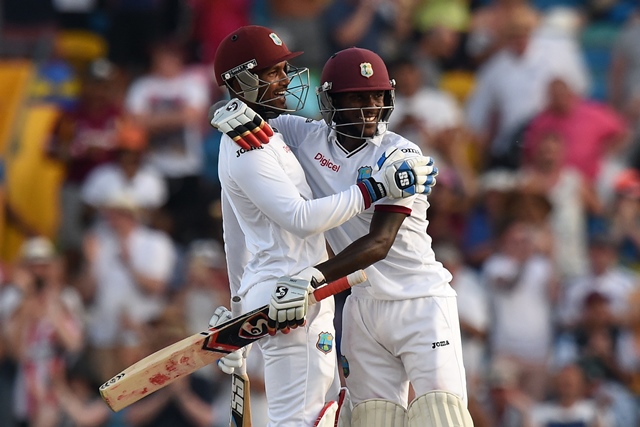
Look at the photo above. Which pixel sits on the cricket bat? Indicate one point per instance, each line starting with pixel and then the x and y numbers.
pixel 240 385
pixel 192 353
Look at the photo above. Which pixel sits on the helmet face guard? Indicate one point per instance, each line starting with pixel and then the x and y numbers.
pixel 334 118
pixel 253 89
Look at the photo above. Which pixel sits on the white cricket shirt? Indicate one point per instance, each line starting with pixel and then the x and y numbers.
pixel 271 224
pixel 410 269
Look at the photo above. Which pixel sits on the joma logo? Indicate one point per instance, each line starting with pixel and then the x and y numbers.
pixel 439 344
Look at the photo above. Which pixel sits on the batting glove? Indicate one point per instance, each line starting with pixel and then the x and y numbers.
pixel 311 275
pixel 289 303
pixel 243 125
pixel 231 361
pixel 398 177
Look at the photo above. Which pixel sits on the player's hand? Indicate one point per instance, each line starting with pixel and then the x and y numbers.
pixel 288 306
pixel 243 125
pixel 231 361
pixel 396 176
pixel 311 275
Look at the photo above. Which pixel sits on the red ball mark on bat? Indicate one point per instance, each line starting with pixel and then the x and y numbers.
pixel 184 360
pixel 159 379
pixel 172 365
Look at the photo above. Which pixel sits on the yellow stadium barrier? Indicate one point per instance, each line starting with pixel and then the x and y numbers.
pixel 15 76
pixel 32 179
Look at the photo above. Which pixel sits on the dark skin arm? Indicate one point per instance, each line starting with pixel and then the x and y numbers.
pixel 368 249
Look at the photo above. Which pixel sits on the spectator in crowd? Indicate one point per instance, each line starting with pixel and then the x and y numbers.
pixel 84 138
pixel 594 339
pixel 368 24
pixel 544 173
pixel 43 325
pixel 130 267
pixel 506 405
pixel 300 26
pixel 624 72
pixel 186 402
pixel 487 27
pixel 206 283
pixel 522 289
pixel 510 86
pixel 569 405
pixel 434 49
pixel 487 214
pixel 605 277
pixel 594 344
pixel 592 133
pixel 75 397
pixel 629 346
pixel 170 103
pixel 212 20
pixel 129 173
pixel 422 114
pixel 134 25
pixel 625 218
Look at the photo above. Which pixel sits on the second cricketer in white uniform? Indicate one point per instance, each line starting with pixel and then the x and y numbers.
pixel 402 324
pixel 273 230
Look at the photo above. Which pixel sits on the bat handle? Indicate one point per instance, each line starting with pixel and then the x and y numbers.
pixel 337 286
pixel 236 310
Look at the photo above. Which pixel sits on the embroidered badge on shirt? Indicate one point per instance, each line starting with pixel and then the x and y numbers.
pixel 325 342
pixel 364 172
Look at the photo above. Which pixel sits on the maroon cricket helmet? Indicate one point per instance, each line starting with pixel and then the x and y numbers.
pixel 251 47
pixel 354 70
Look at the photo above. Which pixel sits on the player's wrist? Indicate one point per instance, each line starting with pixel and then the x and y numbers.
pixel 372 191
pixel 313 275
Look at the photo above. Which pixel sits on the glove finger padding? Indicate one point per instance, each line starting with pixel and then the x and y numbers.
pixel 289 302
pixel 243 125
pixel 408 177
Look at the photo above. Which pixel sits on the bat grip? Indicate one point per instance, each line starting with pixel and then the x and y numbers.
pixel 337 286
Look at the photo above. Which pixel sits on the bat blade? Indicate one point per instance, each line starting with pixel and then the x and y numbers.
pixel 192 353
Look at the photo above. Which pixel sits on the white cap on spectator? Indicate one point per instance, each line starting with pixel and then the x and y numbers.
pixel 502 180
pixel 210 252
pixel 37 249
pixel 122 200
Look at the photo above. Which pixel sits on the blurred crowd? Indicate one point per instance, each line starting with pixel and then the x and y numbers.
pixel 531 110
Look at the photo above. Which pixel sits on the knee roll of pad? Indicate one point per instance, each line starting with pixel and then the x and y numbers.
pixel 378 413
pixel 438 409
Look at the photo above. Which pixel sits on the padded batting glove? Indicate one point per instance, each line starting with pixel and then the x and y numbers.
pixel 243 125
pixel 396 176
pixel 229 363
pixel 311 275
pixel 289 303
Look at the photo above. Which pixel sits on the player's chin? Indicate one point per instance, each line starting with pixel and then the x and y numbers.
pixel 369 130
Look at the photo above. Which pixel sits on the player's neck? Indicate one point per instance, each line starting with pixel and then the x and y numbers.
pixel 350 143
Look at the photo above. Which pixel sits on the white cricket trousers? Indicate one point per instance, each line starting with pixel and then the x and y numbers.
pixel 299 367
pixel 386 344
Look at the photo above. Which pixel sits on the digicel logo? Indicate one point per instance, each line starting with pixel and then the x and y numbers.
pixel 326 162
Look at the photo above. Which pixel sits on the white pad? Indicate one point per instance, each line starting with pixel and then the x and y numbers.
pixel 438 409
pixel 327 417
pixel 378 413
pixel 344 408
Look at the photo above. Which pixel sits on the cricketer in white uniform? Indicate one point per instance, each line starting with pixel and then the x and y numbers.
pixel 273 228
pixel 402 324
